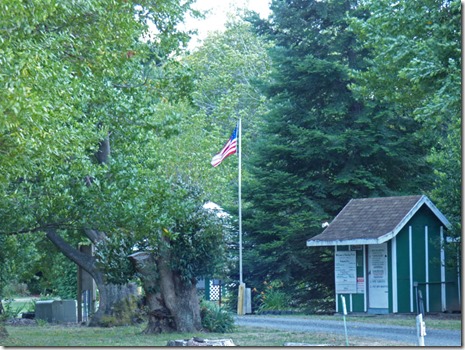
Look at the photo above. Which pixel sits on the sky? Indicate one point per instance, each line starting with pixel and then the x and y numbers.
pixel 218 14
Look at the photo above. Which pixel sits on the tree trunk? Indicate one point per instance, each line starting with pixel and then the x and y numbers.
pixel 117 305
pixel 173 303
pixel 180 297
pixel 160 320
pixel 116 302
pixel 3 331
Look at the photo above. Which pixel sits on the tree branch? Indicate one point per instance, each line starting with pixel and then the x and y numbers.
pixel 85 261
pixel 94 235
pixel 38 228
pixel 103 152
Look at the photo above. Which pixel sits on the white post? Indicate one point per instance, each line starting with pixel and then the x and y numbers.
pixel 421 330
pixel 344 313
pixel 443 271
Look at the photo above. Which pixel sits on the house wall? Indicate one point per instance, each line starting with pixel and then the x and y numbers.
pixel 419 267
pixel 403 271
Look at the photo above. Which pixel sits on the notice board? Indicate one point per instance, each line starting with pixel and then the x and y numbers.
pixel 345 272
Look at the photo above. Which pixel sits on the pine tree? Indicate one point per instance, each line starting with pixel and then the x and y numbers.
pixel 319 147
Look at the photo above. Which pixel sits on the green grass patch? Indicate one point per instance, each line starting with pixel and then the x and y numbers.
pixel 61 336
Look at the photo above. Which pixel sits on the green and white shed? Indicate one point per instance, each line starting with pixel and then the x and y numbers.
pixel 389 253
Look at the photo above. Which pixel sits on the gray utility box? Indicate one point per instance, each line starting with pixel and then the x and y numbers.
pixel 57 311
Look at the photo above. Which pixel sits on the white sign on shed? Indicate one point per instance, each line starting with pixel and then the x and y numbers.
pixel 345 272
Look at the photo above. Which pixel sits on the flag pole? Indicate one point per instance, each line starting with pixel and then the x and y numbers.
pixel 240 200
pixel 241 292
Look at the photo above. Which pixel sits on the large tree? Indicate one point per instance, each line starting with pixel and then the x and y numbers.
pixel 320 145
pixel 415 65
pixel 191 245
pixel 226 68
pixel 88 111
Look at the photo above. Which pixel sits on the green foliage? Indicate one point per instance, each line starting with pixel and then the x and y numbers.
pixel 215 318
pixel 273 297
pixel 315 298
pixel 111 255
pixel 47 272
pixel 415 66
pixel 197 237
pixel 63 278
pixel 14 288
pixel 100 79
pixel 359 98
pixel 11 309
pixel 415 58
pixel 42 323
pixel 17 263
pixel 321 144
pixel 225 68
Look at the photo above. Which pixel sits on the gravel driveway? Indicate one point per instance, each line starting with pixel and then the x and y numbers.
pixel 434 337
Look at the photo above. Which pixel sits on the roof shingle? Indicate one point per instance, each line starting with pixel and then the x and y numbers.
pixel 368 218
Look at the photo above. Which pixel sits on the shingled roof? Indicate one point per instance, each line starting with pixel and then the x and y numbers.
pixel 372 220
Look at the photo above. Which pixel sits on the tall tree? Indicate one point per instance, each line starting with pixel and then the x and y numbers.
pixel 415 65
pixel 191 245
pixel 320 146
pixel 225 68
pixel 87 116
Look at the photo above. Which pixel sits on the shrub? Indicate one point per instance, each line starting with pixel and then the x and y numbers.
pixel 315 298
pixel 215 318
pixel 15 288
pixel 273 298
pixel 10 310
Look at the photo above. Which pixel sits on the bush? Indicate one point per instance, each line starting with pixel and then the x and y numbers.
pixel 215 318
pixel 315 298
pixel 274 300
pixel 11 309
pixel 273 297
pixel 15 288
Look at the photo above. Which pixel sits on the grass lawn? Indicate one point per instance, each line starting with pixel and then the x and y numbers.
pixel 47 335
pixel 62 336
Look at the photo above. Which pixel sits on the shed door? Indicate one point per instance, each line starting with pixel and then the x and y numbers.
pixel 377 276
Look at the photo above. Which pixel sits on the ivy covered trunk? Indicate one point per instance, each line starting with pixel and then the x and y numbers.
pixel 172 302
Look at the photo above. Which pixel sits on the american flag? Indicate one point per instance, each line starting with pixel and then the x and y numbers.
pixel 229 148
